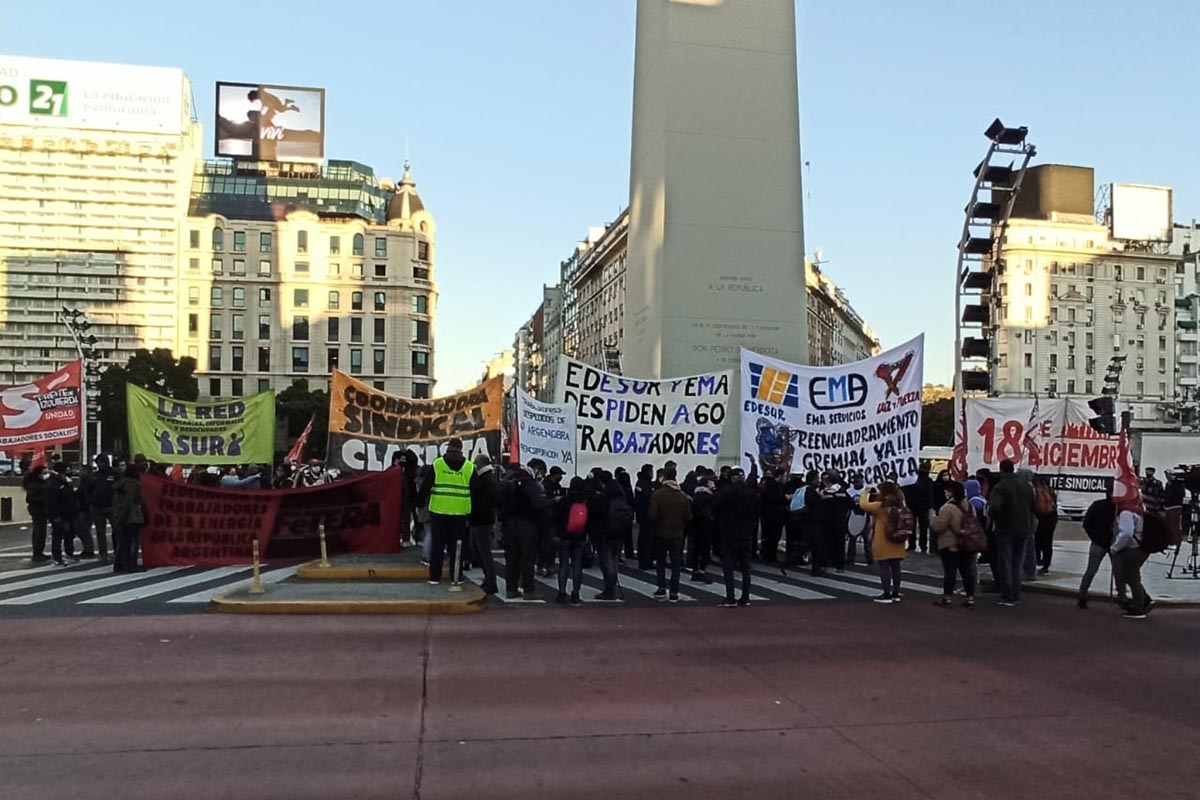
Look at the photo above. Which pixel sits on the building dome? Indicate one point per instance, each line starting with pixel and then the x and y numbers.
pixel 405 202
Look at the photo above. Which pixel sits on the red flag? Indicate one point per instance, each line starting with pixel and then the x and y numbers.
pixel 514 446
pixel 297 452
pixel 958 457
pixel 46 411
pixel 1033 451
pixel 1127 490
pixel 176 473
pixel 38 459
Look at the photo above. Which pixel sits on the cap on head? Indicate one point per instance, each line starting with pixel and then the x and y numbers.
pixel 557 470
pixel 454 444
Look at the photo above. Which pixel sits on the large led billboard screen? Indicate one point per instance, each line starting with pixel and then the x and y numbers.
pixel 265 122
pixel 1141 213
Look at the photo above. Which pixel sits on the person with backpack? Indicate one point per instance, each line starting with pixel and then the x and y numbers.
pixel 525 507
pixel 572 532
pixel 1011 508
pixel 950 526
pixel 1098 523
pixel 700 529
pixel 1047 521
pixel 620 531
pixel 736 512
pixel 1129 555
pixel 893 524
pixel 772 510
pixel 670 513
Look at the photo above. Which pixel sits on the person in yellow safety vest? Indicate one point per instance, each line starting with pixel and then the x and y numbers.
pixel 449 507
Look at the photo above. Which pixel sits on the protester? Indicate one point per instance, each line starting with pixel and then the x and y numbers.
pixel 670 513
pixel 772 510
pixel 922 498
pixel 700 529
pixel 834 515
pixel 100 504
pixel 948 526
pixel 641 506
pixel 525 508
pixel 622 478
pixel 231 479
pixel 1153 493
pixel 485 496
pixel 409 527
pixel 1098 523
pixel 1011 510
pixel 1128 557
pixel 858 526
pixel 1029 566
pixel 887 509
pixel 83 512
pixel 554 491
pixel 61 509
pixel 620 532
pixel 36 488
pixel 128 518
pixel 579 508
pixel 1047 521
pixel 736 511
pixel 449 508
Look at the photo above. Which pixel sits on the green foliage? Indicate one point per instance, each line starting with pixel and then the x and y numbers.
pixel 937 423
pixel 294 406
pixel 158 371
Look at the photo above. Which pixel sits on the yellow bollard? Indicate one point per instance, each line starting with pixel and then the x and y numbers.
pixel 455 584
pixel 256 587
pixel 324 553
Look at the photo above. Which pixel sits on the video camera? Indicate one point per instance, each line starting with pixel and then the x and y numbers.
pixel 1184 476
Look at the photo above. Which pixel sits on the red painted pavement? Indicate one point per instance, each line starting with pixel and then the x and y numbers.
pixel 840 700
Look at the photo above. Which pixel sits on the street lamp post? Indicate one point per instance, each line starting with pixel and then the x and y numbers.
pixel 77 326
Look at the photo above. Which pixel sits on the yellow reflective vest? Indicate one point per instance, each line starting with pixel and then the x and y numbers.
pixel 451 492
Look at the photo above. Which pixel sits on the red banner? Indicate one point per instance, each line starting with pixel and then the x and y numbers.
pixel 45 412
pixel 188 525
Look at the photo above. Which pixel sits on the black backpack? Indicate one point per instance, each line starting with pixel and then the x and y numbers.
pixel 1156 534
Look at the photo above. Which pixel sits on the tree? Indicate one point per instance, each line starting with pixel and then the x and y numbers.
pixel 937 423
pixel 294 407
pixel 157 371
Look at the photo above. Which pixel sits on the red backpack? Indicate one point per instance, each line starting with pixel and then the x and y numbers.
pixel 577 518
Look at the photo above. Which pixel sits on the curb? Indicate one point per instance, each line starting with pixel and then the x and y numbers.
pixel 229 604
pixel 313 570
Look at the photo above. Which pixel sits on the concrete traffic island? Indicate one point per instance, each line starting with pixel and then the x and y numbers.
pixel 356 584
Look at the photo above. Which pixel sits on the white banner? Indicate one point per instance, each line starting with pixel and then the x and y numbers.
pixel 546 431
pixel 863 417
pixel 626 422
pixel 1050 437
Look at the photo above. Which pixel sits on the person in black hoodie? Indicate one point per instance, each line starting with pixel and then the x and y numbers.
pixel 920 498
pixel 100 499
pixel 700 529
pixel 622 478
pixel 548 534
pixel 620 531
pixel 36 487
pixel 485 494
pixel 61 509
pixel 525 510
pixel 641 507
pixel 835 518
pixel 1099 522
pixel 772 511
pixel 736 511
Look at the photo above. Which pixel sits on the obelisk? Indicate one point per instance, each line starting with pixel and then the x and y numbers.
pixel 716 238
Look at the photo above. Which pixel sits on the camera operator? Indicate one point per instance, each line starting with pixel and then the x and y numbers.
pixel 1153 493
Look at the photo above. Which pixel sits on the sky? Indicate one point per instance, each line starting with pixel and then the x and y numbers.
pixel 516 117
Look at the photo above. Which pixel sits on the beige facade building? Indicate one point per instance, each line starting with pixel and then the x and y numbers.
pixel 836 333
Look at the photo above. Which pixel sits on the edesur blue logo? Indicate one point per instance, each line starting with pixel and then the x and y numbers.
pixel 838 391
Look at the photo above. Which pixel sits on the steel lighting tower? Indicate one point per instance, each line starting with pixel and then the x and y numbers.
pixel 85 343
pixel 979 261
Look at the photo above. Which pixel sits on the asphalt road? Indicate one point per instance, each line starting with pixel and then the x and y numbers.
pixel 825 700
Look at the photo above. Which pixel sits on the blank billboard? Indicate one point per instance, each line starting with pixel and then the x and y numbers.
pixel 1141 213
pixel 265 122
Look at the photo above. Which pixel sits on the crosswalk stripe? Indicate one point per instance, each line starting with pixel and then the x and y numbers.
pixel 787 589
pixel 163 587
pixel 86 585
pixel 829 583
pixel 862 577
pixel 641 587
pixel 706 588
pixel 269 577
pixel 49 575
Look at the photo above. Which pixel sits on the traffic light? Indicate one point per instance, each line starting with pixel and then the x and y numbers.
pixel 1105 421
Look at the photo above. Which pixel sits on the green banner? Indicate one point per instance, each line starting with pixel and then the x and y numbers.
pixel 233 431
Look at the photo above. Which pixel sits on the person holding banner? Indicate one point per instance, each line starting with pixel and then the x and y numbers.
pixel 449 508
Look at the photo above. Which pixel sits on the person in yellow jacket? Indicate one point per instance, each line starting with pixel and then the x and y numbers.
pixel 449 507
pixel 885 505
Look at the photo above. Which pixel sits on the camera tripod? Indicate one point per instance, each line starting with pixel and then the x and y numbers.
pixel 1191 525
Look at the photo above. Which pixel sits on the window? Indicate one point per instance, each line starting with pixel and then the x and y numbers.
pixel 218 240
pixel 1070 386
pixel 335 269
pixel 380 326
pixel 358 245
pixel 380 270
pixel 238 327
pixel 1029 359
pixel 264 359
pixel 239 266
pixel 378 359
pixel 218 266
pixel 1089 341
pixel 356 301
pixel 216 298
pixel 214 357
pixel 1054 360
pixel 333 329
pixel 301 241
pixel 1087 387
pixel 1141 388
pixel 264 243
pixel 214 326
pixel 299 359
pixel 1070 361
pixel 1162 343
pixel 420 274
pixel 1053 386
pixel 264 385
pixel 1141 273
pixel 194 264
pixel 420 304
pixel 193 324
pixel 236 387
pixel 1029 384
pixel 301 266
pixel 239 241
pixel 264 327
pixel 1088 293
pixel 300 328
pixel 380 385
pixel 356 270
pixel 1028 314
pixel 237 358
pixel 380 247
pixel 1162 364
pixel 264 298
pixel 300 298
pixel 355 361
pixel 420 331
pixel 1162 389
pixel 335 245
pixel 335 301
pixel 193 295
pixel 1029 289
pixel 380 301
pixel 239 297
pixel 214 387
pixel 264 267
pixel 332 359
pixel 356 329
pixel 420 363
pixel 423 251
pixel 193 240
